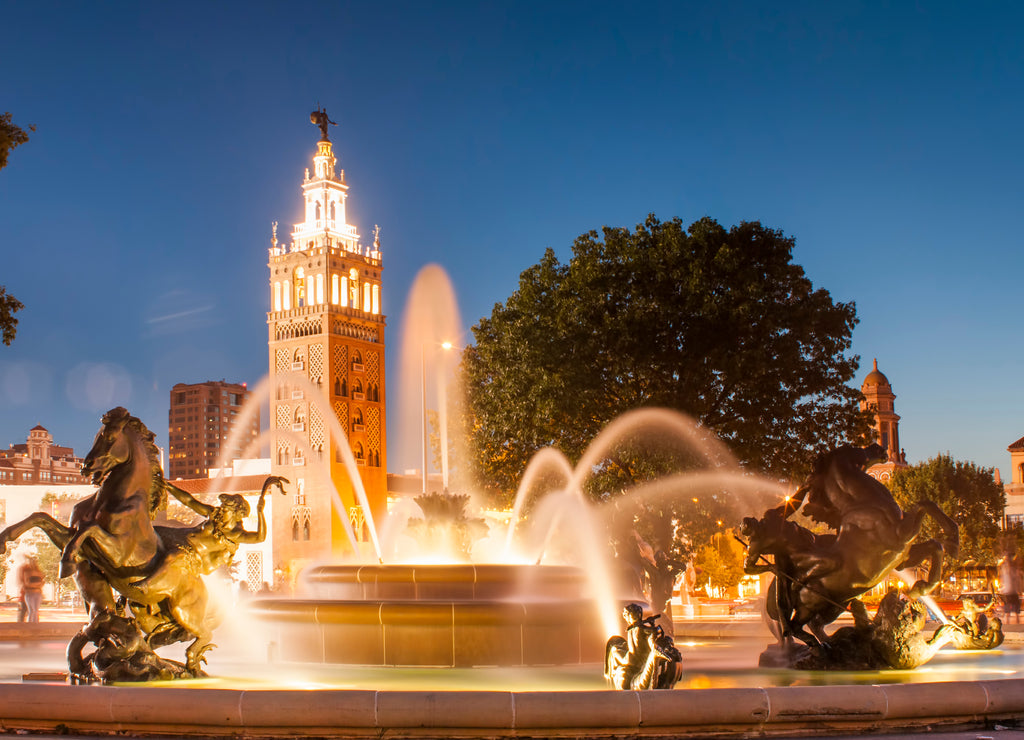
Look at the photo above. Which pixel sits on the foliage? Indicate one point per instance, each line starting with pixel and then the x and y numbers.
pixel 720 563
pixel 11 136
pixel 967 493
pixel 717 323
pixel 58 506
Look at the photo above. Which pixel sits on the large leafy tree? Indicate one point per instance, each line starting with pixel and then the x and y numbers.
pixel 11 136
pixel 718 323
pixel 968 493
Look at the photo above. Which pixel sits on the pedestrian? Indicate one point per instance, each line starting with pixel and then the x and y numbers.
pixel 31 579
pixel 1010 587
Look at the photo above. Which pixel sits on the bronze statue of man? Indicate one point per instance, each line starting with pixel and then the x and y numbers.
pixel 319 118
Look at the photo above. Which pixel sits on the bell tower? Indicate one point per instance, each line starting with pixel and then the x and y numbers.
pixel 326 342
pixel 880 401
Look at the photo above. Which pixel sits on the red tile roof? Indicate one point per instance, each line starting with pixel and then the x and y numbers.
pixel 231 484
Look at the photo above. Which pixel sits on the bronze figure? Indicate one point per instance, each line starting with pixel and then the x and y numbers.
pixel 818 576
pixel 646 658
pixel 319 118
pixel 112 547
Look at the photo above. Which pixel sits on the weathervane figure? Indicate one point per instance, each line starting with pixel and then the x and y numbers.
pixel 319 118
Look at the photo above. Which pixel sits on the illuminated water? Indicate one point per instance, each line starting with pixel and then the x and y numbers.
pixel 707 664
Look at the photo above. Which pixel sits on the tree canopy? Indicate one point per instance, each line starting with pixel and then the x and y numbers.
pixel 717 323
pixel 11 136
pixel 967 493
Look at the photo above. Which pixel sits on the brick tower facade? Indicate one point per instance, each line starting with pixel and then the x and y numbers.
pixel 326 341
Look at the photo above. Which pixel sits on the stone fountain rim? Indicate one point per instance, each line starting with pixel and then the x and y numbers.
pixel 353 713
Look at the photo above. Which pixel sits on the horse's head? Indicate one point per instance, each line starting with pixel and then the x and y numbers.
pixel 875 453
pixel 111 446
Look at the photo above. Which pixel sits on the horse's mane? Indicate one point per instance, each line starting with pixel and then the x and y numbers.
pixel 157 489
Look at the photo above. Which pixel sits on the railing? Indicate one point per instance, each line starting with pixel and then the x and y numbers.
pixel 298 427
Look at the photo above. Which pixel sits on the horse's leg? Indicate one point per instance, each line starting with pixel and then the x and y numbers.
pixel 110 547
pixel 910 526
pixel 57 532
pixel 932 551
pixel 189 610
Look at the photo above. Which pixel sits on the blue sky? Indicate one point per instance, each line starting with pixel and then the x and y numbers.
pixel 884 137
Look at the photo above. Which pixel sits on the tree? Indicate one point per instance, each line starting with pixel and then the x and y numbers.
pixel 967 493
pixel 11 136
pixel 716 323
pixel 719 324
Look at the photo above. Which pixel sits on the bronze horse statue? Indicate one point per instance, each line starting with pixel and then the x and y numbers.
pixel 112 548
pixel 818 576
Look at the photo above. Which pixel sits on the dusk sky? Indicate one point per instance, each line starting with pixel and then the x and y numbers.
pixel 884 137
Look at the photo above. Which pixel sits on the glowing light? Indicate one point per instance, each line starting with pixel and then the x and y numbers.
pixel 446 345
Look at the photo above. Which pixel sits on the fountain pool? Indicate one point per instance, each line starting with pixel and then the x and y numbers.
pixel 722 694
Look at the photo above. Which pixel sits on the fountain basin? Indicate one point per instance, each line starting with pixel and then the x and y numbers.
pixel 437 615
pixel 489 581
pixel 772 711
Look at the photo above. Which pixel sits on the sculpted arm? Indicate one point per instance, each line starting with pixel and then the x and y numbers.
pixel 252 538
pixel 189 500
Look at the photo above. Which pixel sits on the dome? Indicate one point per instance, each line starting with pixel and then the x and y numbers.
pixel 875 377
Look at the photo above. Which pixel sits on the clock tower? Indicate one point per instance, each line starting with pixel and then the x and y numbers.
pixel 326 341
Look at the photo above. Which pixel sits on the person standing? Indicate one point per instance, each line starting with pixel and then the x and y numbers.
pixel 1009 587
pixel 31 578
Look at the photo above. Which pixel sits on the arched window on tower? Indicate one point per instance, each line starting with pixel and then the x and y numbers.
pixel 286 295
pixel 283 456
pixel 334 211
pixel 334 290
pixel 357 451
pixel 1020 473
pixel 295 530
pixel 357 389
pixel 353 283
pixel 357 421
pixel 375 305
pixel 337 386
pixel 317 216
pixel 277 295
pixel 343 298
pixel 300 287
pixel 320 289
pixel 305 530
pixel 366 297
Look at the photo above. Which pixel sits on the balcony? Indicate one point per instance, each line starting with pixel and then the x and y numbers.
pixel 357 367
pixel 298 365
pixel 358 396
pixel 299 426
pixel 296 395
pixel 358 427
pixel 298 461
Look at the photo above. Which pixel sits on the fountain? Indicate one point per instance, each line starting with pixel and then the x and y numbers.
pixel 327 663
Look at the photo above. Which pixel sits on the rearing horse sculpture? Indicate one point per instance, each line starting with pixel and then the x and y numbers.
pixel 818 576
pixel 114 525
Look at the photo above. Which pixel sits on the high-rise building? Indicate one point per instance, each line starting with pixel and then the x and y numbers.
pixel 880 401
pixel 201 422
pixel 326 341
